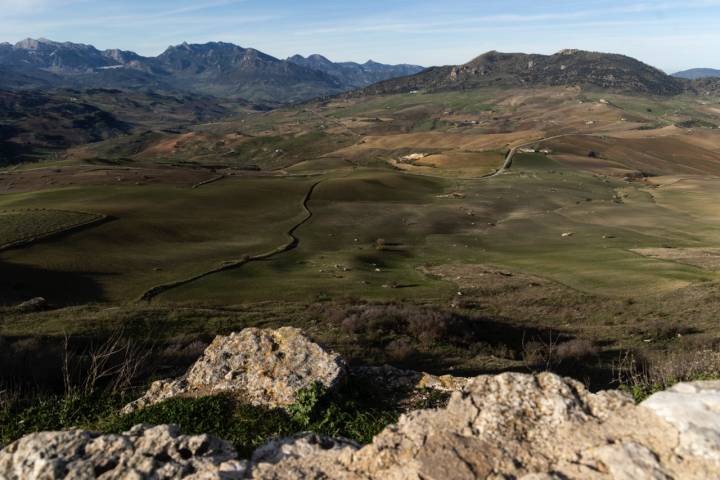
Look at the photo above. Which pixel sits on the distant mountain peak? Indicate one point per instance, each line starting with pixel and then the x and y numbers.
pixel 698 73
pixel 569 51
pixel 317 56
pixel 355 74
pixel 33 43
pixel 569 67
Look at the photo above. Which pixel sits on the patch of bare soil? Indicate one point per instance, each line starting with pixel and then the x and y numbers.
pixel 487 278
pixel 707 258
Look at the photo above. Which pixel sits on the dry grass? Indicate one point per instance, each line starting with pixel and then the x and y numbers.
pixel 644 373
pixel 551 351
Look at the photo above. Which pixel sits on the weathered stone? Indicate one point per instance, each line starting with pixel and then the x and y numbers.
pixel 694 410
pixel 631 461
pixel 264 367
pixel 541 427
pixel 33 305
pixel 531 427
pixel 303 456
pixel 143 452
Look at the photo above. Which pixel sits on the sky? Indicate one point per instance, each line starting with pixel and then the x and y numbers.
pixel 669 34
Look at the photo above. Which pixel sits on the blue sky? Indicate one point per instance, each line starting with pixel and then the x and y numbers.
pixel 671 35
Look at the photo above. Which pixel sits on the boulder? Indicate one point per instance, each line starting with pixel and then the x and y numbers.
pixel 531 427
pixel 263 367
pixel 694 410
pixel 143 452
pixel 33 305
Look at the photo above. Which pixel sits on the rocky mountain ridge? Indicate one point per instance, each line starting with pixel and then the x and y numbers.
pixel 356 74
pixel 217 68
pixel 566 68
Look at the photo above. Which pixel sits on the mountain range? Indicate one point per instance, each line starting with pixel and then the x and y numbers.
pixel 230 71
pixel 697 73
pixel 565 68
pixel 355 74
pixel 216 68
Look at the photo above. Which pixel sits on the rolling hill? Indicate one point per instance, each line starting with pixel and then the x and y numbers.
pixel 697 73
pixel 35 123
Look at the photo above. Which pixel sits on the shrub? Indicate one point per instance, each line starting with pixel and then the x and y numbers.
pixel 642 374
pixel 576 349
pixel 306 403
pixel 549 352
pixel 400 350
pixel 428 326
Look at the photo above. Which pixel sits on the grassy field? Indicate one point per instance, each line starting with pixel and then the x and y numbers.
pixel 22 226
pixel 372 229
pixel 609 237
pixel 158 233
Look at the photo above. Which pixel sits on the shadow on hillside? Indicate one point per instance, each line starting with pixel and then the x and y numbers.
pixel 19 283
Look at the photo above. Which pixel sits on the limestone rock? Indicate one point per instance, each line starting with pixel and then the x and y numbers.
pixel 304 456
pixel 631 461
pixel 530 427
pixel 264 367
pixel 540 427
pixel 694 410
pixel 143 452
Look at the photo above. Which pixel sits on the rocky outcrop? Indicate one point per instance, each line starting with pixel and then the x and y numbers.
pixel 529 427
pixel 263 367
pixel 143 452
pixel 521 426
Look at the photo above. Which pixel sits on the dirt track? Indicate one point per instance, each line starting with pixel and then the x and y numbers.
pixel 231 265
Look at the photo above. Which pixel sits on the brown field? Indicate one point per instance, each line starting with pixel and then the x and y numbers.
pixel 652 154
pixel 75 175
pixel 706 258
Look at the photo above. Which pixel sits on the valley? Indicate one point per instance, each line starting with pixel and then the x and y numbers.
pixel 553 210
pixel 352 240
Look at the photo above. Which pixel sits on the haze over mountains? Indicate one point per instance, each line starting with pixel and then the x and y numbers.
pixel 215 68
pixel 696 73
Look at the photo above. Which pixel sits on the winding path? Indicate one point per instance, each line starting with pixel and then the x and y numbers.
pixel 291 244
pixel 294 241
pixel 513 151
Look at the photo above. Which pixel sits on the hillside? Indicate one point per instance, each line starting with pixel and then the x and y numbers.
pixel 30 123
pixel 697 73
pixel 565 68
pixel 34 123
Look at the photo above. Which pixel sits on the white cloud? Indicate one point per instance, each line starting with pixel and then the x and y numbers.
pixel 23 7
